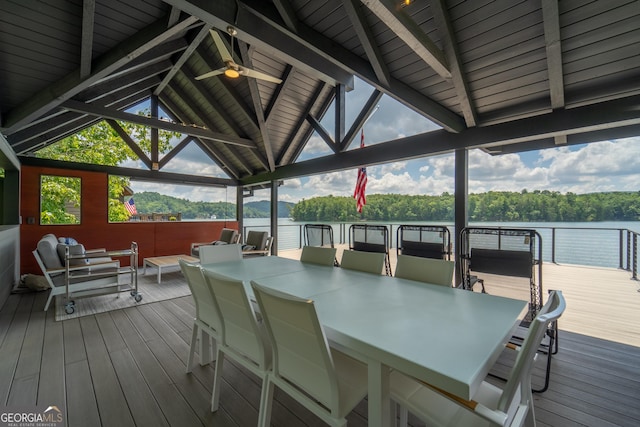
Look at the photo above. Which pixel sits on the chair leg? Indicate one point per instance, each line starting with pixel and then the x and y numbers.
pixel 46 306
pixel 192 347
pixel 552 341
pixel 217 379
pixel 266 402
pixel 205 348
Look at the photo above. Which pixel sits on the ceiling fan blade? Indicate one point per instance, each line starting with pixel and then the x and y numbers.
pixel 211 73
pixel 258 75
pixel 224 52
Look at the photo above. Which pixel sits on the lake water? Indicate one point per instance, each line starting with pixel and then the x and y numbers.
pixel 583 243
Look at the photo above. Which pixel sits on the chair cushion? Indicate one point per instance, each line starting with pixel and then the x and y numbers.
pixel 258 239
pixel 47 251
pixel 73 250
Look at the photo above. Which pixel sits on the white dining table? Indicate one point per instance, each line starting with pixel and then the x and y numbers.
pixel 447 337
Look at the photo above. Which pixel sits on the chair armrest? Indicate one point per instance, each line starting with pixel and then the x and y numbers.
pixel 195 245
pixel 93 251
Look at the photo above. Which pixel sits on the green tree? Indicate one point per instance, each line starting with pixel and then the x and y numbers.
pixel 99 144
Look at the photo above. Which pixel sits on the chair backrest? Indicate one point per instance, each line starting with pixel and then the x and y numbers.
pixel 318 235
pixel 259 239
pixel 428 270
pixel 369 238
pixel 427 241
pixel 301 353
pixel 318 255
pixel 242 333
pixel 368 262
pixel 206 308
pixel 516 390
pixel 228 235
pixel 212 254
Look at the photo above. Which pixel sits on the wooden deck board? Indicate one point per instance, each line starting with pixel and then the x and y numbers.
pixel 127 367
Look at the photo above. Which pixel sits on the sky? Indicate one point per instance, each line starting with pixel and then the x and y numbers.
pixel 595 167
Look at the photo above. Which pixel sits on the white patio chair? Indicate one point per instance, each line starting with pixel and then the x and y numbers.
pixel 368 262
pixel 325 381
pixel 428 270
pixel 207 322
pixel 318 255
pixel 243 338
pixel 213 254
pixel 491 406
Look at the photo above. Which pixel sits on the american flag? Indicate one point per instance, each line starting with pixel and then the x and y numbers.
pixel 130 206
pixel 361 183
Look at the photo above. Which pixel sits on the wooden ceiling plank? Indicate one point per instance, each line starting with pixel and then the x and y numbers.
pixel 72 84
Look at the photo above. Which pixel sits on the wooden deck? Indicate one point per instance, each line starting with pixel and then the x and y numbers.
pixel 126 367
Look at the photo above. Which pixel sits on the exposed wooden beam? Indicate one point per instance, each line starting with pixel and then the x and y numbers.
pixel 221 13
pixel 73 84
pixel 340 114
pixel 97 110
pixel 281 90
pixel 309 50
pixel 55 121
pixel 155 135
pixel 287 14
pixel 174 16
pixel 257 106
pixel 602 119
pixel 213 153
pixel 448 37
pixel 63 130
pixel 364 114
pixel 285 153
pixel 553 44
pixel 86 44
pixel 303 136
pixel 406 28
pixel 361 27
pixel 322 132
pixel 174 152
pixel 204 32
pixel 130 142
pixel 137 174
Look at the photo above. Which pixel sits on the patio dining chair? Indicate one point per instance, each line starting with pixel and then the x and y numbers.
pixel 243 337
pixel 318 255
pixel 325 381
pixel 491 406
pixel 367 262
pixel 227 236
pixel 207 323
pixel 428 270
pixel 371 238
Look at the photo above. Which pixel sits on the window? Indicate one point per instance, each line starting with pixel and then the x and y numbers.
pixel 132 201
pixel 59 200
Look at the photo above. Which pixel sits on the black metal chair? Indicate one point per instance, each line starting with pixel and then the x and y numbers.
pixel 509 252
pixel 426 241
pixel 319 235
pixel 371 238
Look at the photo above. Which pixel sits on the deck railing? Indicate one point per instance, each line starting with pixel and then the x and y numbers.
pixel 592 246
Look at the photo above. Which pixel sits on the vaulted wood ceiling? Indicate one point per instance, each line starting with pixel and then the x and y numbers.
pixel 501 75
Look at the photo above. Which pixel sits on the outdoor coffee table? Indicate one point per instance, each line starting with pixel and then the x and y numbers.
pixel 161 262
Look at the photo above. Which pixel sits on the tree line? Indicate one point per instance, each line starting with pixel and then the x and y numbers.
pixel 502 206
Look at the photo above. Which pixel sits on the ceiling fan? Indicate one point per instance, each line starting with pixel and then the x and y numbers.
pixel 232 69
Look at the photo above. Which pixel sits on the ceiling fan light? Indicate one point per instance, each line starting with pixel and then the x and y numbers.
pixel 231 73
